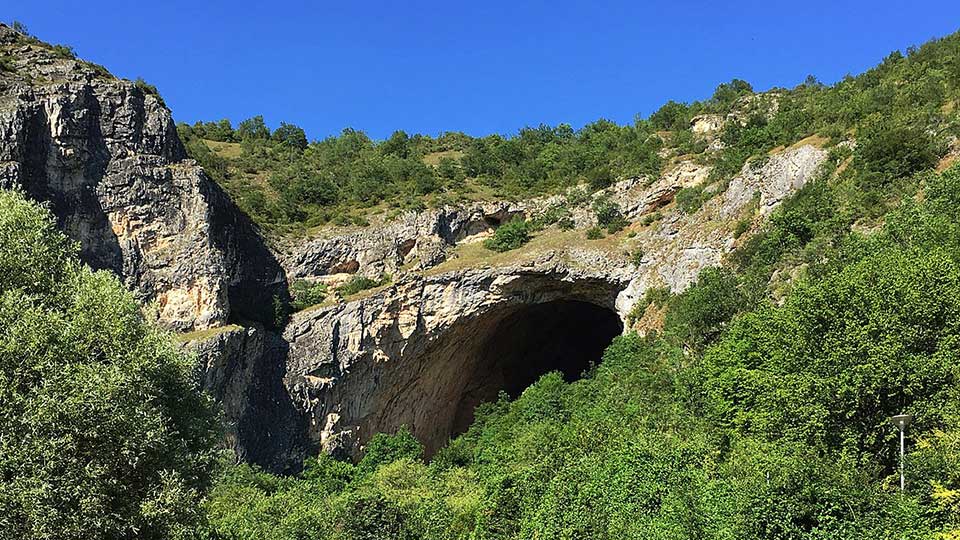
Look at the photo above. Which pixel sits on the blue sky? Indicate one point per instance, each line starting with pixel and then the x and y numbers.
pixel 480 67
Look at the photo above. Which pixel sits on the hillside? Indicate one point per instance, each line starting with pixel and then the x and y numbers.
pixel 694 326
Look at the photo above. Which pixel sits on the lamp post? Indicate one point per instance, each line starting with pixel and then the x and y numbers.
pixel 901 421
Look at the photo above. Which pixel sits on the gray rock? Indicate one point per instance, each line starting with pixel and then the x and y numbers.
pixel 105 154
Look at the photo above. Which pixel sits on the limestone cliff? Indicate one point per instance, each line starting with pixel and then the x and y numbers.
pixel 105 154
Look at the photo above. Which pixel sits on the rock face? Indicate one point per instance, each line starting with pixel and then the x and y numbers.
pixel 106 155
pixel 418 240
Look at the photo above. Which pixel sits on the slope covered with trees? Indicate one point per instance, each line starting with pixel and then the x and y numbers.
pixel 902 111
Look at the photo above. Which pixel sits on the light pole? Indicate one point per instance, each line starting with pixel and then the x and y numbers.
pixel 901 421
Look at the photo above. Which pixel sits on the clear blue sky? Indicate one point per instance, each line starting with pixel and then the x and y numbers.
pixel 480 67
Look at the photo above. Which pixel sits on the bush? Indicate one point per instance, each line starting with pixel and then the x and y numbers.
pixel 689 199
pixel 600 178
pixel 510 235
pixel 885 152
pixel 594 233
pixel 360 283
pixel 307 293
pixel 608 215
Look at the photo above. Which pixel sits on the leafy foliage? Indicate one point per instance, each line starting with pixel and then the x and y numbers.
pixel 101 432
pixel 306 293
pixel 509 235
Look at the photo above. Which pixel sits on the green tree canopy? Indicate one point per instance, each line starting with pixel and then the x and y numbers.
pixel 102 434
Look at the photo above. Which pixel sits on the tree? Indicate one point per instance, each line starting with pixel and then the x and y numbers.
pixel 253 128
pixel 397 145
pixel 727 93
pixel 102 434
pixel 672 116
pixel 290 135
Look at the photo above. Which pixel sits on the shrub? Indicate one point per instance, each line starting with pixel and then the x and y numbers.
pixel 360 283
pixel 594 233
pixel 649 219
pixel 6 64
pixel 741 227
pixel 885 152
pixel 689 199
pixel 307 293
pixel 64 51
pixel 510 235
pixel 608 215
pixel 600 178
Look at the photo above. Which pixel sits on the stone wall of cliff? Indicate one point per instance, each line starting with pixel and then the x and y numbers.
pixel 105 154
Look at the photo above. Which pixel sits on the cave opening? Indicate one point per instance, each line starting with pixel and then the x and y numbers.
pixel 506 350
pixel 568 336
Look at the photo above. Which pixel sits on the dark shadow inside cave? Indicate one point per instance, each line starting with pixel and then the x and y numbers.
pixel 564 335
pixel 505 349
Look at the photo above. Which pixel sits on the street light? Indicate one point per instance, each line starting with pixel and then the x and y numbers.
pixel 901 421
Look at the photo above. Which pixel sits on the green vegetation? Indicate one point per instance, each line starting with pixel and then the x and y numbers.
pixel 361 283
pixel 306 293
pixel 608 215
pixel 101 433
pixel 286 185
pixel 689 199
pixel 510 235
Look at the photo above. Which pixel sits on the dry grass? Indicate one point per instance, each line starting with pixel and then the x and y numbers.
pixel 953 154
pixel 224 149
pixel 435 157
pixel 474 255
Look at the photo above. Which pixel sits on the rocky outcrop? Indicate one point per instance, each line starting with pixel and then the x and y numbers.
pixel 678 246
pixel 105 154
pixel 415 240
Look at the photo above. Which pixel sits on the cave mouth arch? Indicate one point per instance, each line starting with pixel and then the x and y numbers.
pixel 564 335
pixel 506 349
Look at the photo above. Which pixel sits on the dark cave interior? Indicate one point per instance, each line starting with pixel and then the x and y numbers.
pixel 564 335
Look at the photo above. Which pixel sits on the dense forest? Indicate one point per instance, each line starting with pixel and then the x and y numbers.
pixel 760 411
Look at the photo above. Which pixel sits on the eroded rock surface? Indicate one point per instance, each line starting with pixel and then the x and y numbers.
pixel 417 240
pixel 105 154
